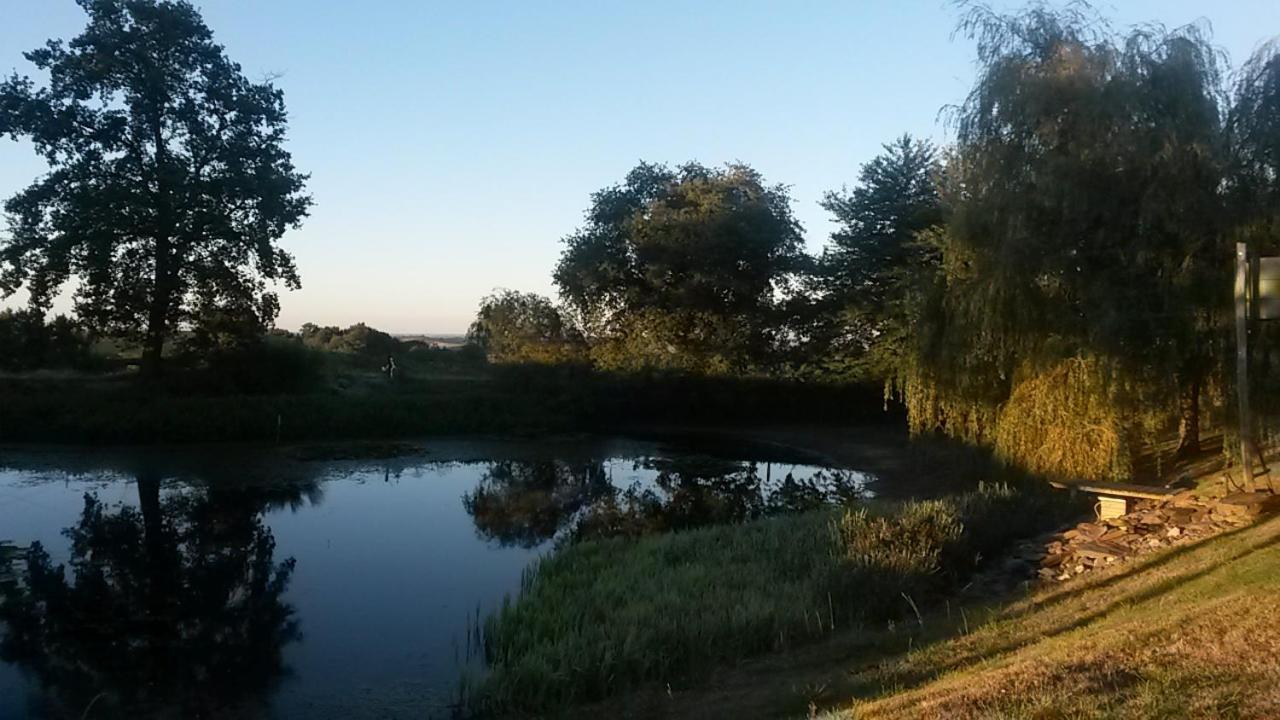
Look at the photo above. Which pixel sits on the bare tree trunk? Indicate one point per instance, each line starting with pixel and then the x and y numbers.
pixel 157 314
pixel 1189 419
pixel 161 287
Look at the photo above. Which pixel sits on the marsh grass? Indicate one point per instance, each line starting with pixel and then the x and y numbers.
pixel 599 617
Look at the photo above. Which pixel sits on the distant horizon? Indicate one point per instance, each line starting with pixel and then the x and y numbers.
pixel 451 147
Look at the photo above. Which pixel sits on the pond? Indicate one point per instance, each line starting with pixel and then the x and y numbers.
pixel 320 582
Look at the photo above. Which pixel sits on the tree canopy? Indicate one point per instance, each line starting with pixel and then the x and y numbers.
pixel 515 327
pixel 169 184
pixel 682 267
pixel 1085 222
pixel 874 258
pixel 1253 137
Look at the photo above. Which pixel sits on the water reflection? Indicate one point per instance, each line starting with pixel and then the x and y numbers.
pixel 525 504
pixel 171 589
pixel 173 608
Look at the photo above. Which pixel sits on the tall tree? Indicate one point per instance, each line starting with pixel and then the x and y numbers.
pixel 1253 192
pixel 683 266
pixel 875 257
pixel 1085 218
pixel 169 184
pixel 1253 132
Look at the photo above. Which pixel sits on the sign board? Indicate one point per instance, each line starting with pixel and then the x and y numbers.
pixel 1267 302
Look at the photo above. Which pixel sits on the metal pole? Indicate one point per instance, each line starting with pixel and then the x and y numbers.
pixel 1242 360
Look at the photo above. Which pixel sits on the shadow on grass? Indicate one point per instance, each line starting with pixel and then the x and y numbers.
pixel 909 678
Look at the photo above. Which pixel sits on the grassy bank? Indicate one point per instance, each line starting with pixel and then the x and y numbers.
pixel 352 401
pixel 129 416
pixel 1185 634
pixel 600 617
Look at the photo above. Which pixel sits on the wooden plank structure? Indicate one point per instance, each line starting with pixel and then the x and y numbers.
pixel 1242 362
pixel 1113 498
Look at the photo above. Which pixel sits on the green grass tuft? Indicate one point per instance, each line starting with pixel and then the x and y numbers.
pixel 602 616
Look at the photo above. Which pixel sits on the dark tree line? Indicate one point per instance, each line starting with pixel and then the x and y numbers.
pixel 1055 283
pixel 28 342
pixel 702 270
pixel 1052 279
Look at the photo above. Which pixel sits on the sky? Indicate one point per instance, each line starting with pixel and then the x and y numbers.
pixel 451 145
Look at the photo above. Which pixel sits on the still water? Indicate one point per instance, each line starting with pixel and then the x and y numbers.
pixel 319 582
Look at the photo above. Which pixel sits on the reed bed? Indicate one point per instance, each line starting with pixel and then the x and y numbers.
pixel 599 617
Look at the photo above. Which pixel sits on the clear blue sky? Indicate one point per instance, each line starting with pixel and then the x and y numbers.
pixel 452 144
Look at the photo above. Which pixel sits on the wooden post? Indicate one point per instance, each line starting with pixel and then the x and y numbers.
pixel 1242 360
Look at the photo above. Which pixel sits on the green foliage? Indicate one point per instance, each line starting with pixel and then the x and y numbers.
pixel 1253 135
pixel 682 262
pixel 358 339
pixel 219 329
pixel 602 616
pixel 275 363
pixel 67 413
pixel 169 185
pixel 319 395
pixel 874 261
pixel 27 342
pixel 1084 221
pixel 516 327
pixel 1253 132
pixel 1061 424
pixel 652 340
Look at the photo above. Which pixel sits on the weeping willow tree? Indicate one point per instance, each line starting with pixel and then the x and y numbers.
pixel 1077 296
pixel 1253 196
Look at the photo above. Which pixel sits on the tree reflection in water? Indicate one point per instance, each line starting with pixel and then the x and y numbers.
pixel 520 503
pixel 172 609
pixel 529 503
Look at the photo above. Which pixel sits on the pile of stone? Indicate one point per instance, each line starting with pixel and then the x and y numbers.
pixel 1149 526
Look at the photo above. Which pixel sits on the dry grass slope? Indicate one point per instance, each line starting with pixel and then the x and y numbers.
pixel 1191 633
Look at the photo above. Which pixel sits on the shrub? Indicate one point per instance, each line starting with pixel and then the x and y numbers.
pixel 359 339
pixel 28 342
pixel 516 327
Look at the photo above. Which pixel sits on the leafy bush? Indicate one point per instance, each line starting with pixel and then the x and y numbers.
pixel 359 339
pixel 516 327
pixel 28 342
pixel 275 363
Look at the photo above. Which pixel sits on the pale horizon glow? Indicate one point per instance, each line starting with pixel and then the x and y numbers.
pixel 452 145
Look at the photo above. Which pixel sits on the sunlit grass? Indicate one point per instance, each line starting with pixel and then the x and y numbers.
pixel 1181 634
pixel 601 616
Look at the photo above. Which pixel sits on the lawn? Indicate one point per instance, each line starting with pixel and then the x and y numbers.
pixel 1191 633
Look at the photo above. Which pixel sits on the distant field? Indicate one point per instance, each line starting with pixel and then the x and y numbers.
pixel 444 341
